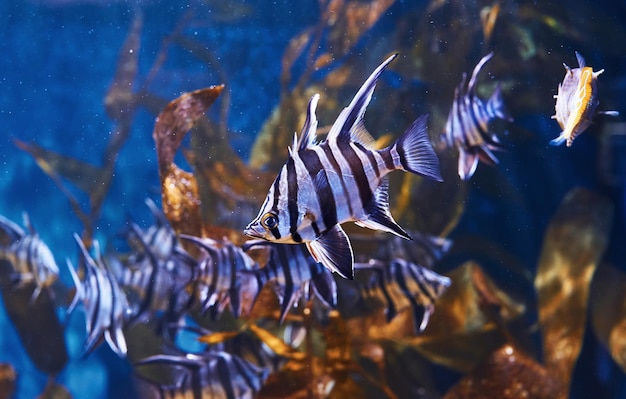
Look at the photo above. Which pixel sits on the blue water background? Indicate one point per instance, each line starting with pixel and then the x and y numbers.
pixel 56 65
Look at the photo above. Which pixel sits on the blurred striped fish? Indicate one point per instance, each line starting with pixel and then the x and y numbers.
pixel 217 274
pixel 339 180
pixel 467 126
pixel 401 283
pixel 215 374
pixel 292 272
pixel 105 304
pixel 576 101
pixel 157 282
pixel 30 257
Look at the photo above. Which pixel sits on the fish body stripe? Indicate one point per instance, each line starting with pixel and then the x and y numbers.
pixel 342 198
pixel 292 200
pixel 324 192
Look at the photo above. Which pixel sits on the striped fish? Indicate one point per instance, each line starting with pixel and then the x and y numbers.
pixel 217 274
pixel 215 374
pixel 339 180
pixel 576 101
pixel 105 304
pixel 401 283
pixel 30 257
pixel 156 279
pixel 292 272
pixel 467 126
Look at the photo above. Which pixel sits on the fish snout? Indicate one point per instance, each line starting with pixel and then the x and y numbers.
pixel 255 230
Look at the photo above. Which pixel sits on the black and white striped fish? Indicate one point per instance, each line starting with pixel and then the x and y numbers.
pixel 105 304
pixel 467 127
pixel 156 281
pixel 217 274
pixel 339 180
pixel 401 283
pixel 215 374
pixel 292 272
pixel 30 257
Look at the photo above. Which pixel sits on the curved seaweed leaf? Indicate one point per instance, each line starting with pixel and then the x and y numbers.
pixel 573 245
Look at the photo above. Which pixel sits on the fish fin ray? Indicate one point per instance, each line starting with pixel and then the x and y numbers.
pixel 307 137
pixel 333 250
pixel 476 71
pixel 580 59
pixel 378 215
pixel 559 140
pixel 353 113
pixel 416 151
pixel 496 104
pixel 325 287
pixel 468 162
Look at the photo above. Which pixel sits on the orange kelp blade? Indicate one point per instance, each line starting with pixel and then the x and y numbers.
pixel 179 189
pixel 573 245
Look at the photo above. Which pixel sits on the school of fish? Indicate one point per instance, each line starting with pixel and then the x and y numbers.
pixel 322 185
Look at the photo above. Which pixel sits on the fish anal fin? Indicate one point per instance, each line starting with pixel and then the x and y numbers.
pixel 325 287
pixel 333 250
pixel 468 161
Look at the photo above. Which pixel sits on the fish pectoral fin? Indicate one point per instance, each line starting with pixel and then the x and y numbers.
pixel 559 140
pixel 333 250
pixel 378 215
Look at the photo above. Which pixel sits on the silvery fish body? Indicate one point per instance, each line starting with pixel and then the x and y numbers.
pixel 401 284
pixel 217 274
pixel 30 257
pixel 467 126
pixel 213 374
pixel 293 274
pixel 577 101
pixel 105 304
pixel 339 180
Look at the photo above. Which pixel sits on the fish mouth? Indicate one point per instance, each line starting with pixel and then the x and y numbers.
pixel 250 231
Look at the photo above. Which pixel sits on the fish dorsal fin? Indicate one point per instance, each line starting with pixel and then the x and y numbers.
pixel 307 137
pixel 80 292
pixel 350 116
pixel 333 250
pixel 581 60
pixel 360 135
pixel 476 71
pixel 379 217
pixel 13 230
pixel 28 223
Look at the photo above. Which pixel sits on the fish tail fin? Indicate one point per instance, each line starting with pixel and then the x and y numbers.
pixel 416 153
pixel 496 107
pixel 559 140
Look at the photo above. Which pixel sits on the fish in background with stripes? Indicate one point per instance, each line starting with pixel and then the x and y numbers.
pixel 30 257
pixel 293 274
pixel 105 304
pixel 576 101
pixel 341 179
pixel 216 275
pixel 400 284
pixel 213 374
pixel 467 126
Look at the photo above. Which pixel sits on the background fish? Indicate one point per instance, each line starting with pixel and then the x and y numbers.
pixel 339 180
pixel 30 257
pixel 576 101
pixel 401 283
pixel 104 302
pixel 293 273
pixel 217 274
pixel 467 126
pixel 214 374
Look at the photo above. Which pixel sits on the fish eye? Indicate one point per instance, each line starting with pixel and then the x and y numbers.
pixel 269 221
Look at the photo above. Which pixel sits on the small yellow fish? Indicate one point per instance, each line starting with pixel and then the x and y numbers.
pixel 576 101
